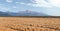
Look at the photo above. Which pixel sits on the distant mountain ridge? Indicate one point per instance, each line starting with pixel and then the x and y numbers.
pixel 4 13
pixel 22 13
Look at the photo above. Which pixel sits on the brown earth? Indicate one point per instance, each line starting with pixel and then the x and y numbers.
pixel 29 24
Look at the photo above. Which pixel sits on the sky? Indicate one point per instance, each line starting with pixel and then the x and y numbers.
pixel 50 7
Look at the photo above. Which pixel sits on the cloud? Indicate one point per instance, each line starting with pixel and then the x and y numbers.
pixel 20 2
pixel 36 3
pixel 29 4
pixel 9 1
pixel 41 3
pixel 14 7
pixel 44 3
pixel 54 2
pixel 4 9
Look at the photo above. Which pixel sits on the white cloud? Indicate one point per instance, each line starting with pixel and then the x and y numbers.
pixel 43 3
pixel 17 2
pixel 20 2
pixel 4 9
pixel 14 7
pixel 35 1
pixel 9 1
pixel 55 2
pixel 29 4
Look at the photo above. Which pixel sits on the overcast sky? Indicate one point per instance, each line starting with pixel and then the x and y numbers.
pixel 50 7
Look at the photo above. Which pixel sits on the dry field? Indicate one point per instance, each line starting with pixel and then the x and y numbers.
pixel 29 24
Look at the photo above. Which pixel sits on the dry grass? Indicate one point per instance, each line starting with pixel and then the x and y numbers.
pixel 29 24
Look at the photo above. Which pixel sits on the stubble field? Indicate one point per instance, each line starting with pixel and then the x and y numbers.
pixel 29 24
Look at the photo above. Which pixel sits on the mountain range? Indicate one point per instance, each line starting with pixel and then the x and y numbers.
pixel 23 13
